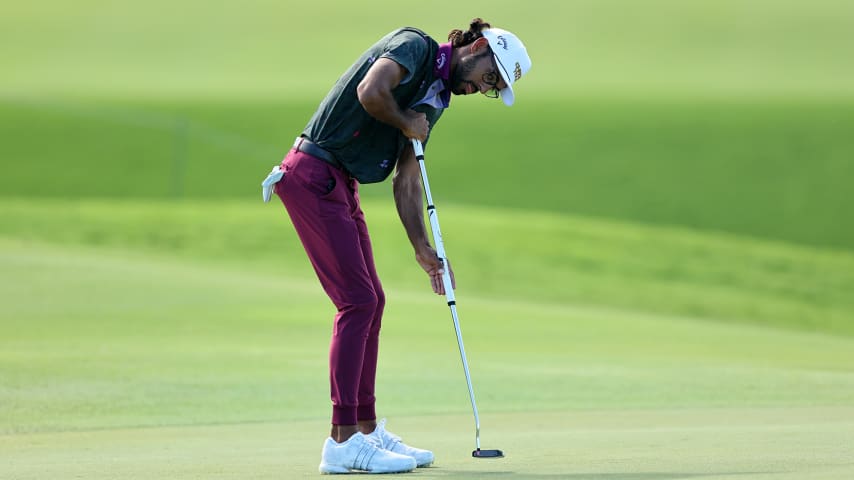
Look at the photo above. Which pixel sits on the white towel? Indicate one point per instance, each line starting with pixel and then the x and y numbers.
pixel 267 184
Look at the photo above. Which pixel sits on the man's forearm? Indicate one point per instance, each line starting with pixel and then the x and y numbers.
pixel 410 208
pixel 375 94
pixel 381 105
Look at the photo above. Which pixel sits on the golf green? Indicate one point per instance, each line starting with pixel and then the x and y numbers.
pixel 120 363
pixel 668 444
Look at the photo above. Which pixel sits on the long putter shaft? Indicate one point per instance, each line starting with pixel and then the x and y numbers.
pixel 449 295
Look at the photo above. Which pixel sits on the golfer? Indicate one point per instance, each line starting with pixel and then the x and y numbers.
pixel 396 91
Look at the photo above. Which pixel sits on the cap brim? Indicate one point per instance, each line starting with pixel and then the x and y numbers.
pixel 507 96
pixel 506 93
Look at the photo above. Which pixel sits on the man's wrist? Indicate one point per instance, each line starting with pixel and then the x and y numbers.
pixel 423 249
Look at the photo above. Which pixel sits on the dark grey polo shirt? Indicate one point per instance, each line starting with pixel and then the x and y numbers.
pixel 368 148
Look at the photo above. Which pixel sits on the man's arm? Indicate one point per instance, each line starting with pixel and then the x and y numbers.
pixel 408 196
pixel 374 92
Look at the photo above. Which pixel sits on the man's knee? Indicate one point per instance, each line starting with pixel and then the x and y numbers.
pixel 366 302
pixel 380 303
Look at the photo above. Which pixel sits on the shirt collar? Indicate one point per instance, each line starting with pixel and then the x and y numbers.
pixel 442 67
pixel 442 70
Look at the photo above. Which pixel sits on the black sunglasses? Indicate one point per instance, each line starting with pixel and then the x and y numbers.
pixel 492 78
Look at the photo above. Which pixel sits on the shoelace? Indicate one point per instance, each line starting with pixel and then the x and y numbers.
pixel 375 440
pixel 387 439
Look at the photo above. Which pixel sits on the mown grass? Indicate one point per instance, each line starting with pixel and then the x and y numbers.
pixel 774 170
pixel 509 253
pixel 120 361
pixel 632 298
pixel 96 338
pixel 721 116
pixel 293 49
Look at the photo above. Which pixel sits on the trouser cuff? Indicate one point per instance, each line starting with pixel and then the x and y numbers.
pixel 344 415
pixel 366 412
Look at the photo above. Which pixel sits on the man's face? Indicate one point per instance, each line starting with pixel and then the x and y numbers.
pixel 477 73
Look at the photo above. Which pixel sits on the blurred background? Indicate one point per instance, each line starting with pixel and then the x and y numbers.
pixel 727 116
pixel 672 189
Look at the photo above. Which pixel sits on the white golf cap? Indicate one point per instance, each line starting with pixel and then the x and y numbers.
pixel 510 56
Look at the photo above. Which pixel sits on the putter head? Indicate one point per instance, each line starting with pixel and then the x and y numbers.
pixel 487 453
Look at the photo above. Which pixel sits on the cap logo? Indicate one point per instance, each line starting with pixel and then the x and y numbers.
pixel 501 41
pixel 517 72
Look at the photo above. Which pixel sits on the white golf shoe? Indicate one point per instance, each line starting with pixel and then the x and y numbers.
pixel 392 443
pixel 362 454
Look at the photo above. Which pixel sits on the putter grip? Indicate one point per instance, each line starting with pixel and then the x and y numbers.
pixel 419 149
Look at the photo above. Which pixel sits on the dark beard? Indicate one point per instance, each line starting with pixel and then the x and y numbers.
pixel 461 73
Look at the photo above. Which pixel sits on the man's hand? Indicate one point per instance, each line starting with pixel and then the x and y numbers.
pixel 408 197
pixel 432 264
pixel 417 125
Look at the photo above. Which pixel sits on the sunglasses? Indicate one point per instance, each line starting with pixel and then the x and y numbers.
pixel 492 78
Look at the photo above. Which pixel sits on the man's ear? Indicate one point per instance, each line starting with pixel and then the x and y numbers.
pixel 479 45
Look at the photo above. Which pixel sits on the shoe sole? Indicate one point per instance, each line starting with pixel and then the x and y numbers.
pixel 326 469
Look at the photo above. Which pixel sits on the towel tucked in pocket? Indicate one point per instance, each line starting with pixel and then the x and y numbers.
pixel 272 179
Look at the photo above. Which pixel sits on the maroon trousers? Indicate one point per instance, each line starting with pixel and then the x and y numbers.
pixel 323 203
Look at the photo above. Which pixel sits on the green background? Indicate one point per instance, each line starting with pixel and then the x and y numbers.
pixel 653 247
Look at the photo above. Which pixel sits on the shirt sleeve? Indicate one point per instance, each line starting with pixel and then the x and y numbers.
pixel 409 50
